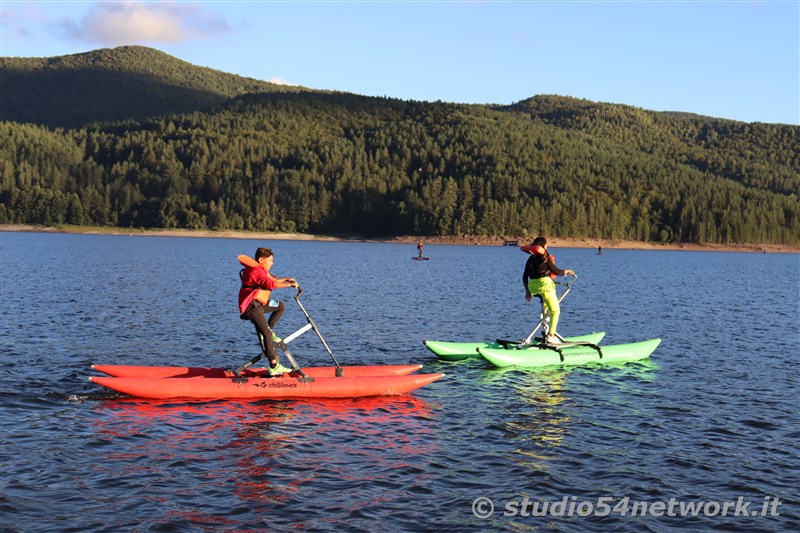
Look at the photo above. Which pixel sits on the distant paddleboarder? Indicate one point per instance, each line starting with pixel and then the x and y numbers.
pixel 419 250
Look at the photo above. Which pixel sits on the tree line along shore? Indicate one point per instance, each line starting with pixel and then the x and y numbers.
pixel 466 240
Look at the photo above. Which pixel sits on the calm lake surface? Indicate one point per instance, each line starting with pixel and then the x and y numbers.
pixel 711 418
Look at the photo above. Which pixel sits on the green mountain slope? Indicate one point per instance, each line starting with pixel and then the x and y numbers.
pixel 124 83
pixel 758 155
pixel 342 163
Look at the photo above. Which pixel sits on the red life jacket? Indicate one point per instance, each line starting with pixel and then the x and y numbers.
pixel 539 250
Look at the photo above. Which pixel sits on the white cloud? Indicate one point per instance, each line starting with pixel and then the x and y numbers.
pixel 280 81
pixel 135 22
pixel 19 23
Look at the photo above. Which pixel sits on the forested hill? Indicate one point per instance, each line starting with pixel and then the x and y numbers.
pixel 347 164
pixel 758 155
pixel 128 82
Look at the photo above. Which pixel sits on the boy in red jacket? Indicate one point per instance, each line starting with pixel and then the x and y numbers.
pixel 255 303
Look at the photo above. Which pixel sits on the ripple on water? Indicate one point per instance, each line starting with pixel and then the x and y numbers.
pixel 711 417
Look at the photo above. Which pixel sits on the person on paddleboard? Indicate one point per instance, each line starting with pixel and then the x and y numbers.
pixel 419 250
pixel 255 303
pixel 540 269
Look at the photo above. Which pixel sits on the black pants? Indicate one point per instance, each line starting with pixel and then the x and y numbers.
pixel 255 313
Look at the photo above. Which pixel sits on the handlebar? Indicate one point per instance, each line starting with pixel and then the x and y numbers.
pixel 569 282
pixel 316 330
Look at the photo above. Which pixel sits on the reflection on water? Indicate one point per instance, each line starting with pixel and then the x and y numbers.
pixel 264 453
pixel 540 415
pixel 543 423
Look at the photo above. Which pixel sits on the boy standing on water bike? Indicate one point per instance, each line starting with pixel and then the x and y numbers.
pixel 540 270
pixel 255 303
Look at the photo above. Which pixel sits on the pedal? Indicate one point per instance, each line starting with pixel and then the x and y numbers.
pixel 508 344
pixel 237 377
pixel 300 376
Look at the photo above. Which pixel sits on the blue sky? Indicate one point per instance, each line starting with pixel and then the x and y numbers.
pixel 730 59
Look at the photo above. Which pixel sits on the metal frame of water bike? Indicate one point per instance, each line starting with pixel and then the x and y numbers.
pixel 312 325
pixel 545 316
pixel 289 338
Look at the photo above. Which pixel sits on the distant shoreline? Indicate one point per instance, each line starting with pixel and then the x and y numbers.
pixel 606 244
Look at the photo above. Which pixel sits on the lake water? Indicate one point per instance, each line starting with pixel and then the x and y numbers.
pixel 711 418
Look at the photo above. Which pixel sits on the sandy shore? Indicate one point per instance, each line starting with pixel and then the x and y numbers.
pixel 556 242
